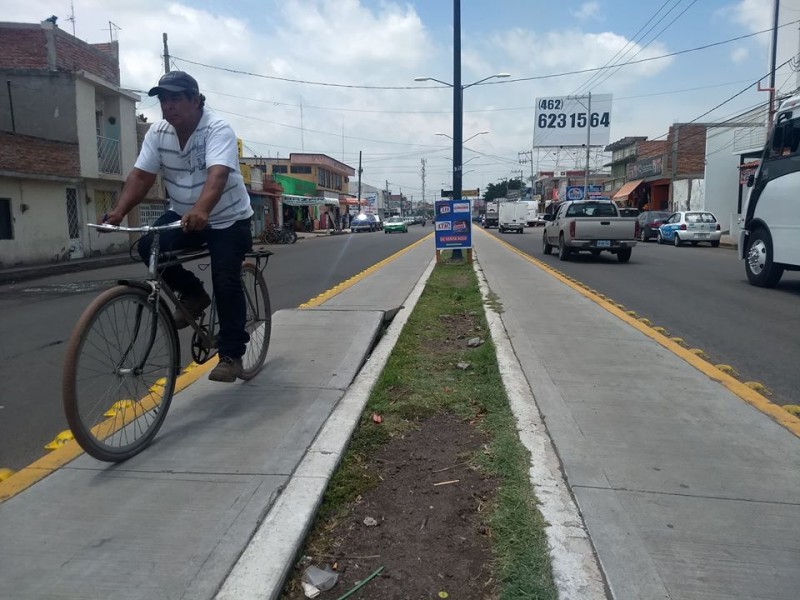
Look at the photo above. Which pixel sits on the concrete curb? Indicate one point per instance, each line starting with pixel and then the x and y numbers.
pixel 263 567
pixel 18 274
pixel 576 570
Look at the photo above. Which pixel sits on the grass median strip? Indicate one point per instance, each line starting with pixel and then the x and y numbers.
pixel 435 484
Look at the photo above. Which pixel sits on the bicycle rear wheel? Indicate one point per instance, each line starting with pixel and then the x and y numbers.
pixel 116 385
pixel 259 320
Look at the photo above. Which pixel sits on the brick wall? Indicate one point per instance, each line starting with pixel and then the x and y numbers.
pixel 650 149
pixel 691 147
pixel 36 156
pixel 25 46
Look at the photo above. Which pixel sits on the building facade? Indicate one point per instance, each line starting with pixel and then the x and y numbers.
pixel 67 140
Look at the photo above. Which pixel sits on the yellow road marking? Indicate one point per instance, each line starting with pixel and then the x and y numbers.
pixel 777 413
pixel 70 450
pixel 348 283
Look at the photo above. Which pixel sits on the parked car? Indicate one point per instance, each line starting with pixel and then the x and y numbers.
pixel 628 212
pixel 690 226
pixel 378 221
pixel 650 221
pixel 363 222
pixel 395 224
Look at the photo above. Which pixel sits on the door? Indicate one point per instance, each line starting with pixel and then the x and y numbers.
pixel 74 224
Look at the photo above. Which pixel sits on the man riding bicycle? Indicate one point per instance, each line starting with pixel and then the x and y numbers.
pixel 196 153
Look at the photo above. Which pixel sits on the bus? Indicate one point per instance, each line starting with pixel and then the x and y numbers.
pixel 769 242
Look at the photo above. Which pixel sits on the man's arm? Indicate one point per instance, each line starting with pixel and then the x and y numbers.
pixel 216 180
pixel 133 192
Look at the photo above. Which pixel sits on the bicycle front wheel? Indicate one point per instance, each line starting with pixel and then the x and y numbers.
pixel 119 373
pixel 259 320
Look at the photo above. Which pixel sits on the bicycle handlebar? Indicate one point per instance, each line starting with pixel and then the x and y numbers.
pixel 142 229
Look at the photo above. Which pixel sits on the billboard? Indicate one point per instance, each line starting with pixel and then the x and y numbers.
pixel 453 224
pixel 563 121
pixel 594 192
pixel 372 203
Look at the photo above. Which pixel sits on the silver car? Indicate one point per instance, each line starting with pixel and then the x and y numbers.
pixel 693 226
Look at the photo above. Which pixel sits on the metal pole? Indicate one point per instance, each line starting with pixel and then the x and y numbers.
pixel 588 148
pixel 773 60
pixel 166 53
pixel 458 98
pixel 359 181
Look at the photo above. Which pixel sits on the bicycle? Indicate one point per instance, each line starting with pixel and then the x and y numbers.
pixel 123 356
pixel 278 235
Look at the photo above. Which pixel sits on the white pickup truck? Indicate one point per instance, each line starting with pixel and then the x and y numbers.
pixel 591 226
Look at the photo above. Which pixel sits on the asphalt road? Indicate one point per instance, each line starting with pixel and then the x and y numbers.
pixel 700 294
pixel 38 316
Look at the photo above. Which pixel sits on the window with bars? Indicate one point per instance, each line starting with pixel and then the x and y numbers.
pixel 6 224
pixel 104 201
pixel 148 213
pixel 73 223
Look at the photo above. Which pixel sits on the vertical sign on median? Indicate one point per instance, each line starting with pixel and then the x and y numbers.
pixel 454 226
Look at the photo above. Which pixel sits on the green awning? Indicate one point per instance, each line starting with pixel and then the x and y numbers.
pixel 295 187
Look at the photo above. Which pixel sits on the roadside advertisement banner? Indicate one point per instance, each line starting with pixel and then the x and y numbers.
pixel 563 121
pixel 594 192
pixel 453 224
pixel 372 203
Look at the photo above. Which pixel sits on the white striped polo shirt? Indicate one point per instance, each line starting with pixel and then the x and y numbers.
pixel 184 171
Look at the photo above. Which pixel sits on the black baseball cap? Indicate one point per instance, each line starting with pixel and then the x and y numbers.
pixel 175 81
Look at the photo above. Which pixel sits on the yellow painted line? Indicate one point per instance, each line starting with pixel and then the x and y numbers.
pixel 70 450
pixel 348 283
pixel 752 397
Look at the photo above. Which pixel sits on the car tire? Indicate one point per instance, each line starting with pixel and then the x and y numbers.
pixel 595 253
pixel 546 248
pixel 624 255
pixel 563 249
pixel 758 265
pixel 715 244
pixel 660 238
pixel 385 231
pixel 642 235
pixel 694 243
pixel 677 240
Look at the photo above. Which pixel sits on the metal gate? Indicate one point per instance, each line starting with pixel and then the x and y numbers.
pixel 74 224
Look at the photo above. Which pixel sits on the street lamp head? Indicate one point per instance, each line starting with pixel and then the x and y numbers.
pixel 503 75
pixel 422 78
pixel 445 135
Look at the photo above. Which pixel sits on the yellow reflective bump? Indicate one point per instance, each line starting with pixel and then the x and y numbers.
pixel 698 352
pixel 792 409
pixel 660 330
pixel 118 407
pixel 61 439
pixel 645 321
pixel 727 369
pixel 6 473
pixel 158 385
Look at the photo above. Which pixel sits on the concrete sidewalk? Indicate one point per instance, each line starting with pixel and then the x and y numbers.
pixel 686 490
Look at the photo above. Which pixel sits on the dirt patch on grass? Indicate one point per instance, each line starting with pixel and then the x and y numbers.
pixel 429 538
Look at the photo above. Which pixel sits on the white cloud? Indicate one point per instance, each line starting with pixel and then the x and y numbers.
pixel 587 10
pixel 740 54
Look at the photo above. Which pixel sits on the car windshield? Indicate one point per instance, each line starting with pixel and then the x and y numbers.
pixel 395 220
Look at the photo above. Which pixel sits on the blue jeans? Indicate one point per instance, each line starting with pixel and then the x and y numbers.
pixel 227 247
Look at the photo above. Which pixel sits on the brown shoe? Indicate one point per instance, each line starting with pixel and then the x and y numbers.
pixel 195 304
pixel 227 370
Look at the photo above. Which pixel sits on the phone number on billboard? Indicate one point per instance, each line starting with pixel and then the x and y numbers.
pixel 574 121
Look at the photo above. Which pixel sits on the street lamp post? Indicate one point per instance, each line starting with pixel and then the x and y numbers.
pixel 458 95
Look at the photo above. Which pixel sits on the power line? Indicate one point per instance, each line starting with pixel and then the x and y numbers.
pixel 500 82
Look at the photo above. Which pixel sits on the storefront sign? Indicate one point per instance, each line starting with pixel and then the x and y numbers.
pixel 746 170
pixel 453 224
pixel 594 192
pixel 647 167
pixel 305 200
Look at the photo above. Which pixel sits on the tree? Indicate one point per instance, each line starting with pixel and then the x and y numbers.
pixel 500 190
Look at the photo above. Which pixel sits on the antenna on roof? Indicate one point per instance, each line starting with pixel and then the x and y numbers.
pixel 112 29
pixel 71 17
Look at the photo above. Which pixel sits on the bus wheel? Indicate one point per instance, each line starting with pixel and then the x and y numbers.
pixel 758 265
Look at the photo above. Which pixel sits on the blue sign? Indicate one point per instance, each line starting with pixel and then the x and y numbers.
pixel 595 192
pixel 453 224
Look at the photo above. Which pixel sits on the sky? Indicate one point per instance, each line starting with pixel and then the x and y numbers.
pixel 338 76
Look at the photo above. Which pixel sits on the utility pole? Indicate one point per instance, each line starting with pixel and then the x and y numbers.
pixel 423 161
pixel 359 181
pixel 773 61
pixel 458 108
pixel 166 53
pixel 588 148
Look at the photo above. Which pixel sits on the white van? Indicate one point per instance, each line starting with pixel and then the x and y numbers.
pixel 769 241
pixel 512 216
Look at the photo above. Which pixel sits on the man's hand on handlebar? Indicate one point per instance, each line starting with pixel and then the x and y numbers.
pixel 111 218
pixel 194 220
